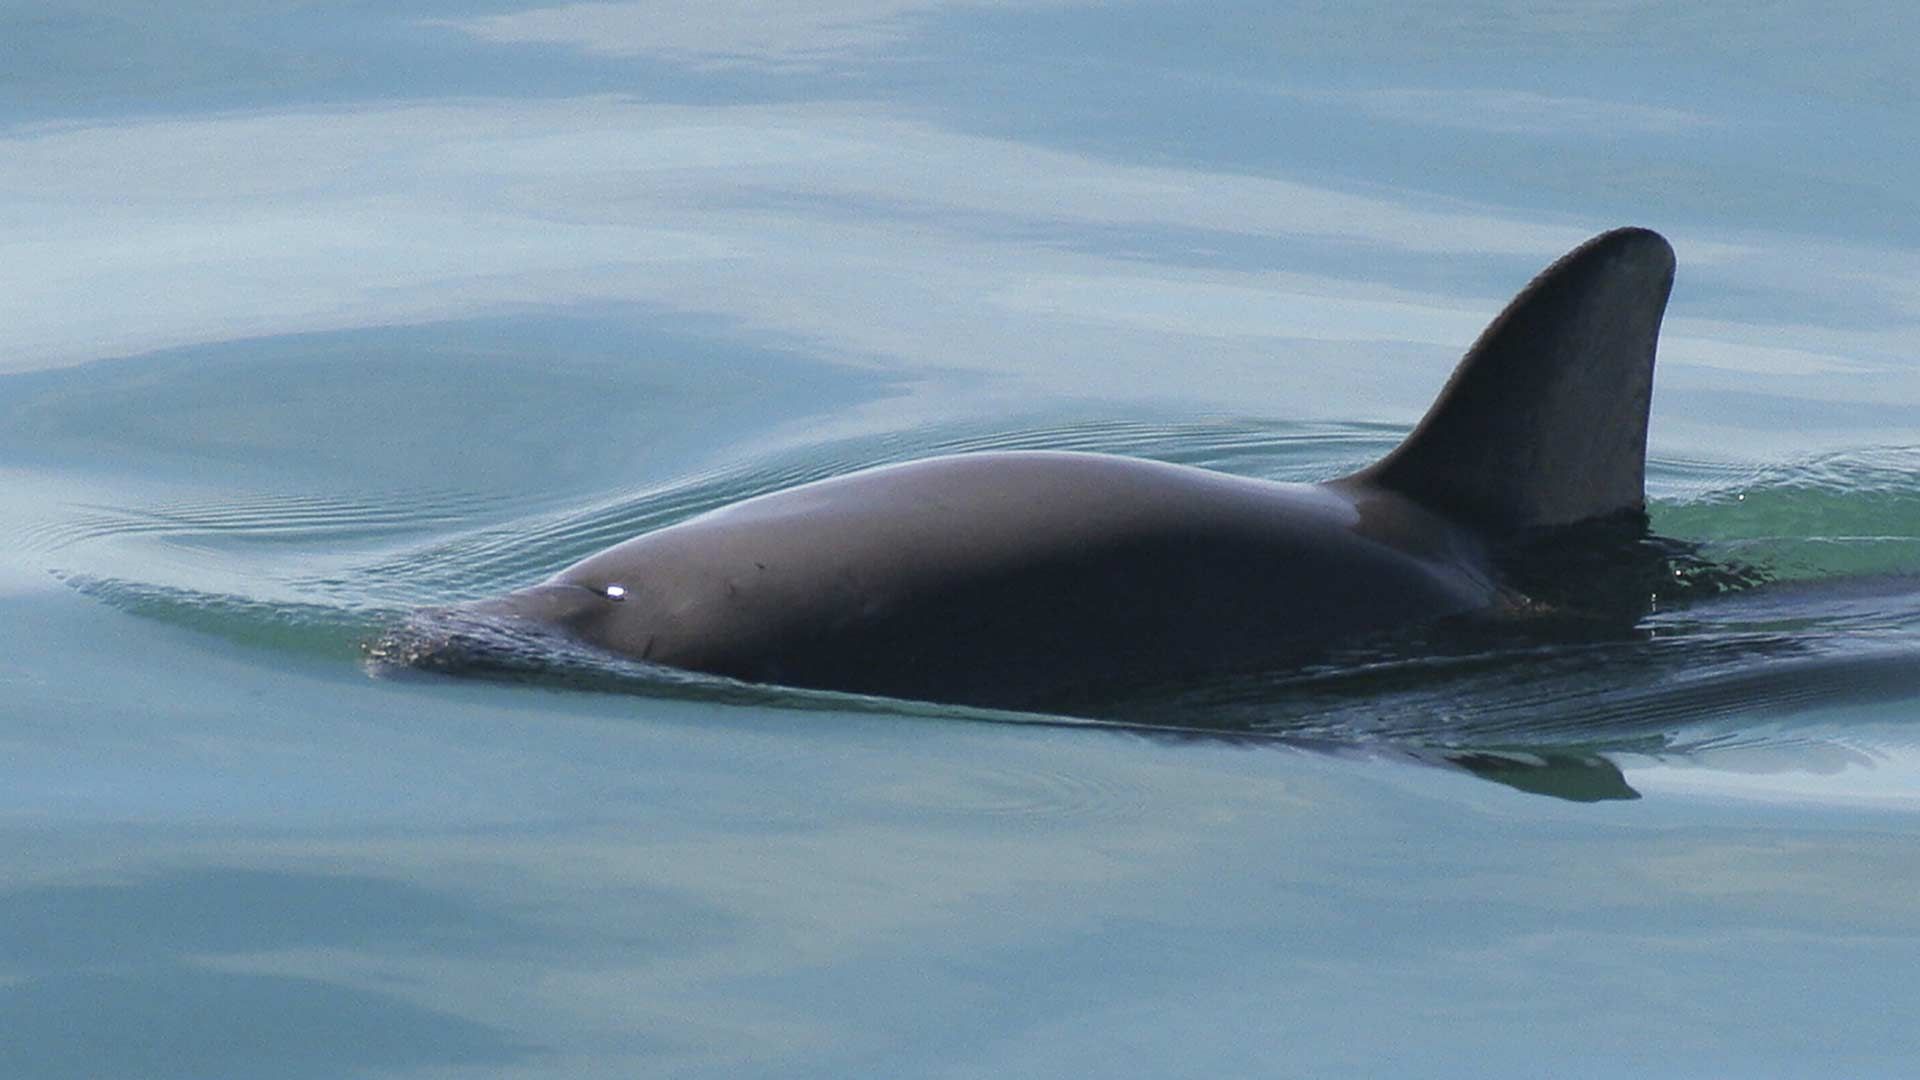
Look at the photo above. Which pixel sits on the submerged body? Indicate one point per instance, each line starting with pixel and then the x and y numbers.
pixel 1031 579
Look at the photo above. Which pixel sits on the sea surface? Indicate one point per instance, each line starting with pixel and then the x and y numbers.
pixel 313 314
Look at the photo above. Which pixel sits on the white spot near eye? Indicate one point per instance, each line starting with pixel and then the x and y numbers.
pixel 616 592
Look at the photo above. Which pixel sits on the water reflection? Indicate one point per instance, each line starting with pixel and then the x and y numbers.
pixel 225 910
pixel 724 34
pixel 188 1023
pixel 483 411
pixel 132 979
pixel 857 233
pixel 932 226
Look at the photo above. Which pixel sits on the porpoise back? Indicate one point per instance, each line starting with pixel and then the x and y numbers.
pixel 1029 579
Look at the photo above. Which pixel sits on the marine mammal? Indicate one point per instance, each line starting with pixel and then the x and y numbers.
pixel 1019 579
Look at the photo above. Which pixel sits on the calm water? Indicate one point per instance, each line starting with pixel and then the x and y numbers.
pixel 310 315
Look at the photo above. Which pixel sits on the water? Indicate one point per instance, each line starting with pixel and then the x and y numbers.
pixel 311 316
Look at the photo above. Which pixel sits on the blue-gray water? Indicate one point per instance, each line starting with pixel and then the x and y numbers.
pixel 313 314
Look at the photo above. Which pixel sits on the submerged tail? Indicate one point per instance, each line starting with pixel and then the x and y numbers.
pixel 1545 420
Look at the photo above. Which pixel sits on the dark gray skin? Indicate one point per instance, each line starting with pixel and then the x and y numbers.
pixel 1010 579
pixel 1024 579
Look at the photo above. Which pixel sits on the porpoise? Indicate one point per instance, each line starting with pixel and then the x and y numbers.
pixel 1022 579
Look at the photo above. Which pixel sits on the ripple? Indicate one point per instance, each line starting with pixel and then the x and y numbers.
pixel 285 519
pixel 1849 513
pixel 320 574
pixel 1246 446
pixel 505 554
pixel 291 628
pixel 1009 789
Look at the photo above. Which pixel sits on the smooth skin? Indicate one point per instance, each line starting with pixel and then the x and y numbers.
pixel 1027 578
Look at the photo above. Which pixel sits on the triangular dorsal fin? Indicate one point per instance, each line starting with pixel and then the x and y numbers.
pixel 1544 422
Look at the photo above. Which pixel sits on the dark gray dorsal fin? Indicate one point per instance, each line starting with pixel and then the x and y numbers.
pixel 1545 420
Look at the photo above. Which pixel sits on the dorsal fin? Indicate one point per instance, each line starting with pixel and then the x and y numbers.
pixel 1544 422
